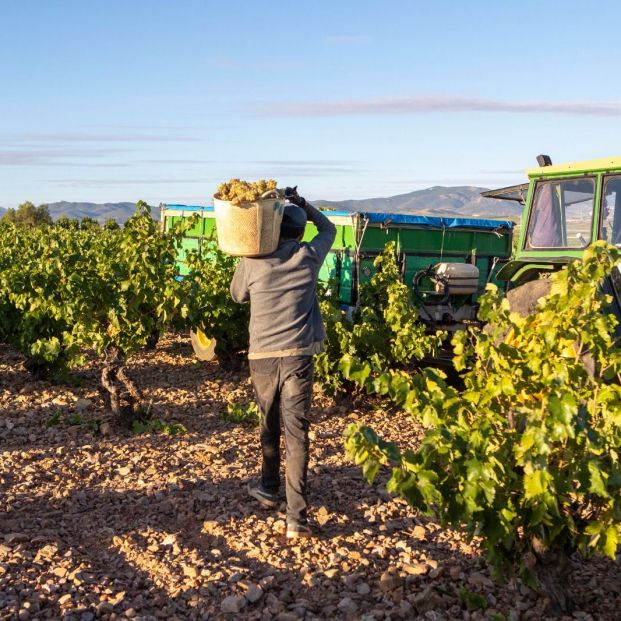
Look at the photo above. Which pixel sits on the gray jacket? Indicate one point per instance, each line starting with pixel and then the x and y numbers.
pixel 282 290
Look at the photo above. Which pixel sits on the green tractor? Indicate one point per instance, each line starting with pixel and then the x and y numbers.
pixel 566 207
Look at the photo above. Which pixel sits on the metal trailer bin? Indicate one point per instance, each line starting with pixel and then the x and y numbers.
pixel 422 243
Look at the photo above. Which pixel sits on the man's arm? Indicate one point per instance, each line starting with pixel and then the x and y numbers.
pixel 326 232
pixel 239 284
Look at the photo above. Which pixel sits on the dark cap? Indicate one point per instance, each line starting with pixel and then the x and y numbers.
pixel 294 217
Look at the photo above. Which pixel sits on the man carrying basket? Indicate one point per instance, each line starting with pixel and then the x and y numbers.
pixel 286 330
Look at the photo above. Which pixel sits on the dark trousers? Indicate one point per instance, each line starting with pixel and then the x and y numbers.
pixel 283 389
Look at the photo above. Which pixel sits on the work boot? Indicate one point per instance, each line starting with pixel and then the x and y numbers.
pixel 267 499
pixel 299 531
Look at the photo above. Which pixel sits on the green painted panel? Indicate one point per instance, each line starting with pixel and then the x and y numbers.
pixel 171 221
pixel 209 227
pixel 189 243
pixel 329 268
pixel 454 241
pixel 347 237
pixel 376 238
pixel 483 263
pixel 344 236
pixel 197 229
pixel 346 290
pixel 339 265
pixel 309 232
pixel 180 255
pixel 426 240
pixel 186 245
pixel 492 244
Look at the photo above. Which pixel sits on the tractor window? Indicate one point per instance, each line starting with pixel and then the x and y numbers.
pixel 561 214
pixel 610 228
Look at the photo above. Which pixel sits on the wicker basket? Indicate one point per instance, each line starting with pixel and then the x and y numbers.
pixel 249 229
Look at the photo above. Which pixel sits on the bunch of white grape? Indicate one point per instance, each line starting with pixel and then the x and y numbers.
pixel 237 191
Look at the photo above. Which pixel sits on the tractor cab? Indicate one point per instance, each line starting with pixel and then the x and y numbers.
pixel 566 207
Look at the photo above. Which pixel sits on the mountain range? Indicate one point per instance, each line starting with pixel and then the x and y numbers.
pixel 459 201
pixel 99 211
pixel 456 201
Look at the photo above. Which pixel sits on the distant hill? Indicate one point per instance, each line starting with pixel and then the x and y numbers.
pixel 99 211
pixel 464 201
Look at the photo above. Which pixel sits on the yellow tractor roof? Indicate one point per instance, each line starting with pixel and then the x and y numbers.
pixel 586 166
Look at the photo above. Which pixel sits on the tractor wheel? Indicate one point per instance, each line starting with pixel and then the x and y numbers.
pixel 523 299
pixel 204 347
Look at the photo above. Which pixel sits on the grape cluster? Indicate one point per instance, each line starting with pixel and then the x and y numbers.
pixel 237 191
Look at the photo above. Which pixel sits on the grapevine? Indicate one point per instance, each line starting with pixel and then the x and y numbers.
pixel 527 455
pixel 66 290
pixel 384 330
pixel 206 292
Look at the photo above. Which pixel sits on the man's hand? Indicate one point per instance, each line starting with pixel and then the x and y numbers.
pixel 291 194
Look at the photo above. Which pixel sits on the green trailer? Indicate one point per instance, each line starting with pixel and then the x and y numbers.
pixel 446 261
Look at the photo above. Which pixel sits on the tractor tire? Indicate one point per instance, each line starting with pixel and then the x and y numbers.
pixel 523 299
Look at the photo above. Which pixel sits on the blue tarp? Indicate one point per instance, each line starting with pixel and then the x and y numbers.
pixel 437 222
pixel 188 207
pixel 397 218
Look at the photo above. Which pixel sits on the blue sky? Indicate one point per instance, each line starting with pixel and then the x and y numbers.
pixel 155 100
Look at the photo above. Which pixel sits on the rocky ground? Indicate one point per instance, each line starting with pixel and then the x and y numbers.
pixel 97 522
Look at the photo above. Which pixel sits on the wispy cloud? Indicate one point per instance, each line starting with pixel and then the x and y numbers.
pixel 52 157
pixel 430 104
pixel 310 171
pixel 302 168
pixel 100 183
pixel 79 148
pixel 454 180
pixel 137 127
pixel 32 138
pixel 178 161
pixel 347 39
